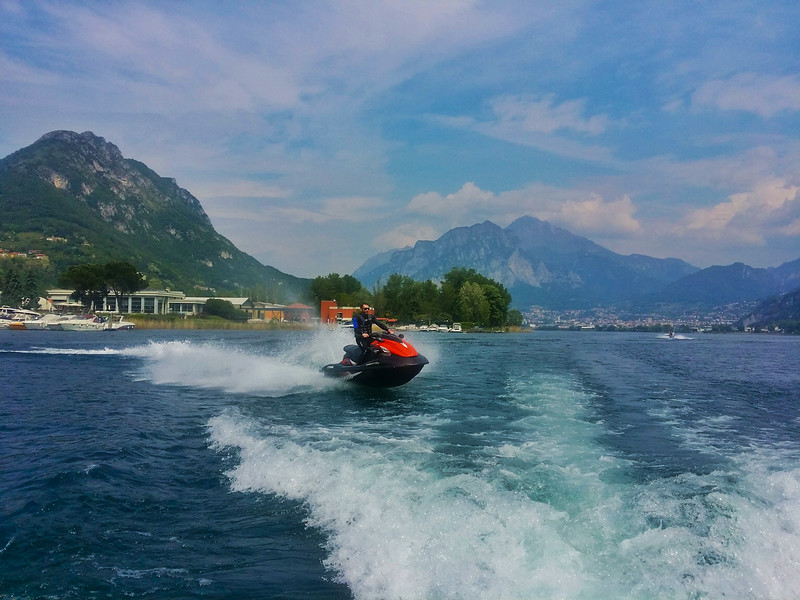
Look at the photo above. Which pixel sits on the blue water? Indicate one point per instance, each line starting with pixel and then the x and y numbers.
pixel 543 465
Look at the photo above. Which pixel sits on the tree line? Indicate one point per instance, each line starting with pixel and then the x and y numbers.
pixel 22 283
pixel 464 295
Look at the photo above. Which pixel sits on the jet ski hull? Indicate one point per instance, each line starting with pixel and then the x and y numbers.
pixel 389 362
pixel 378 372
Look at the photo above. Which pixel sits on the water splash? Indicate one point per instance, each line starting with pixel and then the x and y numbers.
pixel 228 368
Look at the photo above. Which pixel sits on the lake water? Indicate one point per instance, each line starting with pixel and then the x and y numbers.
pixel 197 464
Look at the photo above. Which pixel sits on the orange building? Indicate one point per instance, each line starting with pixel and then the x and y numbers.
pixel 331 313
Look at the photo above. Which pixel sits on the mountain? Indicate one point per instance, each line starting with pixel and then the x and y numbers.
pixel 776 311
pixel 738 282
pixel 74 198
pixel 538 263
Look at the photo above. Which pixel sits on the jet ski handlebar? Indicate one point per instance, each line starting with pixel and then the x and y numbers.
pixel 385 335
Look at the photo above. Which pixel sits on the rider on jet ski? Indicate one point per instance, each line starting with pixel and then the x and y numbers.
pixel 362 328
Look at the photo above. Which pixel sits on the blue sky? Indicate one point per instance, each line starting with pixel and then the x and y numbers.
pixel 316 134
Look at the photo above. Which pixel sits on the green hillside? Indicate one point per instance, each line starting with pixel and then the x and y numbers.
pixel 73 198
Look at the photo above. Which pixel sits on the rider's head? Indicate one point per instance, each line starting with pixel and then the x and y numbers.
pixel 364 307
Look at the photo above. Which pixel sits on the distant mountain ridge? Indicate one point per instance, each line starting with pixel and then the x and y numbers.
pixel 547 266
pixel 719 285
pixel 540 264
pixel 774 312
pixel 77 199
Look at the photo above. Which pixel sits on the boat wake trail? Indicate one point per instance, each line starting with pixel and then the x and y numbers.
pixel 228 368
pixel 277 370
pixel 66 351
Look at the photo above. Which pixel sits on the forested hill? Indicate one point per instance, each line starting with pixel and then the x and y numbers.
pixel 74 198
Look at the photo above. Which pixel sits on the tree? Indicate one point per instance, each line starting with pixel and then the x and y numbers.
pixel 514 318
pixel 498 303
pixel 225 309
pixel 427 295
pixel 93 282
pixel 11 287
pixel 465 295
pixel 88 281
pixel 451 288
pixel 346 290
pixel 405 298
pixel 473 305
pixel 21 283
pixel 32 289
pixel 122 278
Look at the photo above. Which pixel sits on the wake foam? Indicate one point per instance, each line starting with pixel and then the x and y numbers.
pixel 540 511
pixel 229 368
pixel 397 529
pixel 66 351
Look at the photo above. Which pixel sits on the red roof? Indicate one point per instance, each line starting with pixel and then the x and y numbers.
pixel 298 306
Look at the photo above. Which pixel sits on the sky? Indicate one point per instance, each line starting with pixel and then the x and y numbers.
pixel 317 133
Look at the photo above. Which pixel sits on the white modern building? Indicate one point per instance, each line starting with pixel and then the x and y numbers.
pixel 152 302
pixel 159 302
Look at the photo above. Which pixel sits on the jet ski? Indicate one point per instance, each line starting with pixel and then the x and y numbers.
pixel 388 362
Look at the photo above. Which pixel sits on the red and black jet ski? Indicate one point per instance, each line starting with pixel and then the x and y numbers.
pixel 388 362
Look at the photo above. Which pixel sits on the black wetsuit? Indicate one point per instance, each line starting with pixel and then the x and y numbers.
pixel 363 324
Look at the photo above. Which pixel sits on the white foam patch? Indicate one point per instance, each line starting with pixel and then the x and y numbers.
pixel 66 351
pixel 399 530
pixel 229 368
pixel 677 336
pixel 546 512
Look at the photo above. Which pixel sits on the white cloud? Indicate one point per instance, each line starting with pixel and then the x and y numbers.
pixel 749 217
pixel 546 115
pixel 174 63
pixel 595 215
pixel 470 199
pixel 574 210
pixel 540 122
pixel 764 95
pixel 407 234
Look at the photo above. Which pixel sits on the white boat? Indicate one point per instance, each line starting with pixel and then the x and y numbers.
pixel 443 329
pixel 13 318
pixel 120 325
pixel 456 328
pixel 79 323
pixel 41 324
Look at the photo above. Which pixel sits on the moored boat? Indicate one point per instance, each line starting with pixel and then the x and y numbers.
pixel 41 324
pixel 15 318
pixel 79 323
pixel 120 325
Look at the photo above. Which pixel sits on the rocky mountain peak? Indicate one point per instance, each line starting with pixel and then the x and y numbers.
pixel 78 188
pixel 536 261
